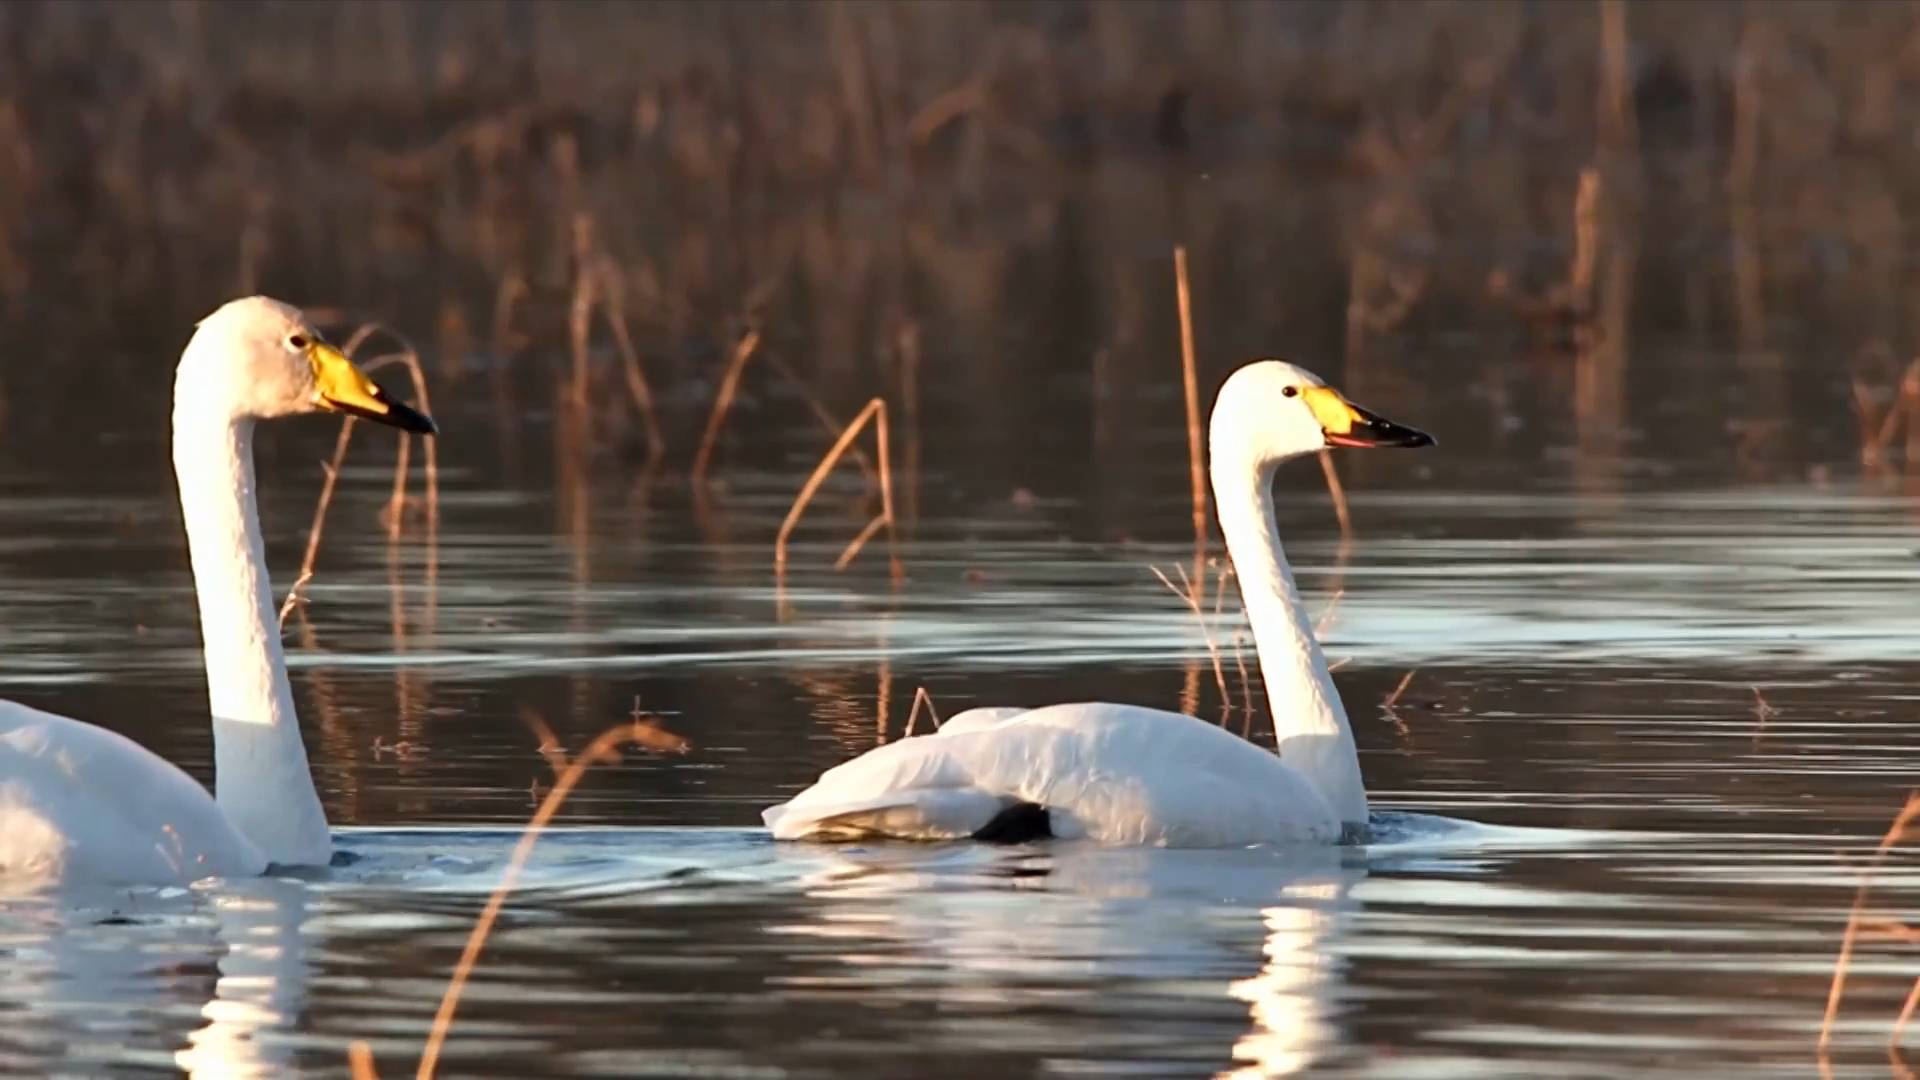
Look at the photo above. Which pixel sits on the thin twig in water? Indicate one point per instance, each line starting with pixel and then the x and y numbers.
pixel 859 541
pixel 831 423
pixel 580 313
pixel 1246 684
pixel 1190 384
pixel 1896 833
pixel 1326 617
pixel 360 1061
pixel 723 402
pixel 332 467
pixel 876 411
pixel 1188 593
pixel 1339 493
pixel 642 733
pixel 410 357
pixel 1394 698
pixel 549 747
pixel 613 305
pixel 920 695
pixel 319 517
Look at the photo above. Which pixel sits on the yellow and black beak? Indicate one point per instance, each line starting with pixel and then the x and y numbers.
pixel 1347 424
pixel 343 388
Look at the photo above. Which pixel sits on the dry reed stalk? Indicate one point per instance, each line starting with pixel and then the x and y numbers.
pixel 1586 242
pixel 1339 493
pixel 410 357
pixel 907 345
pixel 876 411
pixel 1326 617
pixel 360 1061
pixel 1617 126
pixel 319 517
pixel 1190 382
pixel 332 467
pixel 613 305
pixel 723 401
pixel 1896 833
pixel 580 313
pixel 549 747
pixel 831 423
pixel 1394 698
pixel 859 541
pixel 513 290
pixel 1906 1016
pixel 920 695
pixel 1189 593
pixel 1246 684
pixel 1910 400
pixel 643 733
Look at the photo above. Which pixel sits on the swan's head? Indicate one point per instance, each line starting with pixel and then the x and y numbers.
pixel 1270 410
pixel 259 358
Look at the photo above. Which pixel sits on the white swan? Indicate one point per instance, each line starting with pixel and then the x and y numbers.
pixel 1122 774
pixel 81 804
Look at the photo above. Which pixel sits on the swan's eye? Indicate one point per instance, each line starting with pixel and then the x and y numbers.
pixel 298 342
pixel 1291 391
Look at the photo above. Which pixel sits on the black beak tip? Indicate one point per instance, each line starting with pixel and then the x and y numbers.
pixel 407 418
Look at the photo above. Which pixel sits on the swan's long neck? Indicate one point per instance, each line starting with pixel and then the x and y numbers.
pixel 260 766
pixel 1309 722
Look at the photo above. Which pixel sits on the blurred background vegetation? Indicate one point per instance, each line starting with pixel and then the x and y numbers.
pixel 982 199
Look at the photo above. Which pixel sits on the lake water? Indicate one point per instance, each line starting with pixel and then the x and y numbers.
pixel 1653 702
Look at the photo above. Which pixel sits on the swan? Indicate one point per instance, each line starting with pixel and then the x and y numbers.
pixel 1128 775
pixel 80 804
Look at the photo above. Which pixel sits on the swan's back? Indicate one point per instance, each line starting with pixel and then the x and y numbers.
pixel 1118 774
pixel 79 803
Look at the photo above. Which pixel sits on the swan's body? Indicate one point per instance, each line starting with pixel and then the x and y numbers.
pixel 1122 774
pixel 80 803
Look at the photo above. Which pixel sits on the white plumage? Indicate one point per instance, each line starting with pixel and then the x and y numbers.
pixel 1126 775
pixel 83 805
pixel 1116 774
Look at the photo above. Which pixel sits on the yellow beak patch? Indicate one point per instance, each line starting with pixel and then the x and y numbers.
pixel 343 387
pixel 1336 416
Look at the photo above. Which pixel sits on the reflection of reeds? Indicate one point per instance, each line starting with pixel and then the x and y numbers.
pixel 876 412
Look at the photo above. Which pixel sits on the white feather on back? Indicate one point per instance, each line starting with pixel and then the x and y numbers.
pixel 1116 774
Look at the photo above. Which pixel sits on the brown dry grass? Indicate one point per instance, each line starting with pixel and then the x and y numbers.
pixel 876 413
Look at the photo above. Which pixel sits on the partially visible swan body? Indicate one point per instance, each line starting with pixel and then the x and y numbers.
pixel 1126 775
pixel 83 805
